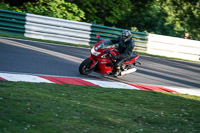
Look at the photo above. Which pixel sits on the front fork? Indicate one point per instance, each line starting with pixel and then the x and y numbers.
pixel 94 62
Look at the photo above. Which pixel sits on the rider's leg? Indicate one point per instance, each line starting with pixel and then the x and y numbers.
pixel 117 66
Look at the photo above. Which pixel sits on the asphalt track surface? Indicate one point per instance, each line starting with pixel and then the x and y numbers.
pixel 31 57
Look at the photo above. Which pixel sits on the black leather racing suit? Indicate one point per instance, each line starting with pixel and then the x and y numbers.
pixel 125 49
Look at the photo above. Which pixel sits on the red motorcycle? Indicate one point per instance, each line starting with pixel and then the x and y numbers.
pixel 101 62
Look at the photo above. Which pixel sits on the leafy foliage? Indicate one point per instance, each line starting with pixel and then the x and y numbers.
pixel 17 2
pixel 4 6
pixel 105 12
pixel 52 8
pixel 185 16
pixel 148 17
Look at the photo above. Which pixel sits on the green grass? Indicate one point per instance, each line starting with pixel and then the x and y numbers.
pixel 51 108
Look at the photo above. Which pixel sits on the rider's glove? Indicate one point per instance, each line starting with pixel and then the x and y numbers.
pixel 107 52
pixel 114 57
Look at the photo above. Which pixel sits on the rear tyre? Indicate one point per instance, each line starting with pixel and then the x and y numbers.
pixel 84 67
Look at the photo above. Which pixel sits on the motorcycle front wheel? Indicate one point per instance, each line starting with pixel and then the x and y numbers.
pixel 84 67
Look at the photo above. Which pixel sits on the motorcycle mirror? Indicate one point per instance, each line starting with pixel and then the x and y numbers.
pixel 98 36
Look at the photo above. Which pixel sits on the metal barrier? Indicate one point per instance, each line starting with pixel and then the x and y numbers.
pixel 173 47
pixel 48 28
pixel 12 23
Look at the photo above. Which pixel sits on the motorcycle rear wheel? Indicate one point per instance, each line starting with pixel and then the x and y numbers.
pixel 84 67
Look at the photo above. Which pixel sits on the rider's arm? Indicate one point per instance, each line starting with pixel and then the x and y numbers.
pixel 114 41
pixel 128 50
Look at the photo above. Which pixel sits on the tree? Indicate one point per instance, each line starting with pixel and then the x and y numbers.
pixel 105 12
pixel 52 8
pixel 17 2
pixel 185 16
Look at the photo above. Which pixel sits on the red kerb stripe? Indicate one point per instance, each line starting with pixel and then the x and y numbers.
pixel 153 88
pixel 62 80
pixel 2 79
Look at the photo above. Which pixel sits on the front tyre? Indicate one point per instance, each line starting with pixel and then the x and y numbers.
pixel 84 67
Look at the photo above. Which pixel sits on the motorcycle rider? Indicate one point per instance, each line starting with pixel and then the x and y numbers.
pixel 125 48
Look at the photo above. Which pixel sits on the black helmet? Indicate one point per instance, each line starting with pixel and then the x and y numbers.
pixel 126 35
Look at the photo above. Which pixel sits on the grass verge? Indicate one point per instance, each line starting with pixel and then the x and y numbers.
pixel 51 108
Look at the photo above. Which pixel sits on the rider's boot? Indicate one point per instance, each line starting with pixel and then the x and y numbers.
pixel 117 71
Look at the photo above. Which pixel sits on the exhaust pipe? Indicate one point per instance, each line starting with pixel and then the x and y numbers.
pixel 128 71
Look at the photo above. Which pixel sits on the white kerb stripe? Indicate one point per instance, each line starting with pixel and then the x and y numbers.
pixel 108 84
pixel 195 92
pixel 25 78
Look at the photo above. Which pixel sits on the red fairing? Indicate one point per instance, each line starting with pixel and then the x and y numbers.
pixel 93 62
pixel 133 60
